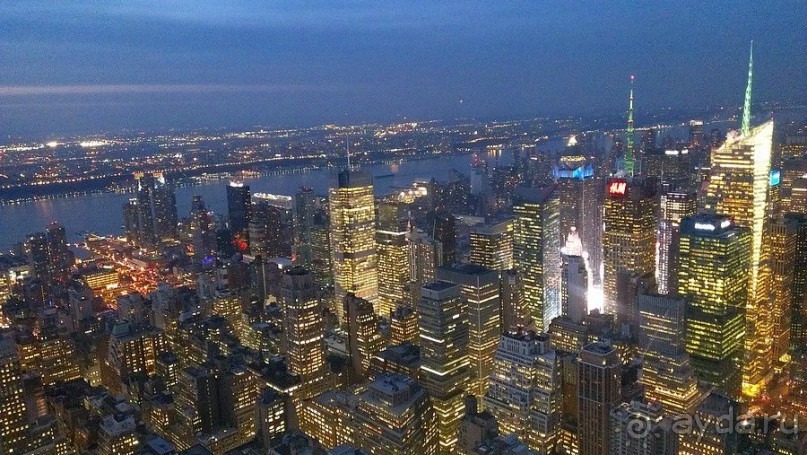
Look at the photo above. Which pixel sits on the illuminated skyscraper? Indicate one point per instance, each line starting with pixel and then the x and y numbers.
pixel 58 253
pixel 492 245
pixel 144 184
pixel 479 286
pixel 715 433
pixel 444 370
pixel 164 201
pixel 629 238
pixel 739 187
pixel 305 209
pixel 598 390
pixel 630 148
pixel 580 192
pixel 524 392
pixel 793 185
pixel 364 339
pixel 13 424
pixel 655 435
pixel 239 213
pixel 675 205
pixel 404 325
pixel 574 280
pixel 798 294
pixel 270 226
pixel 536 253
pixel 353 246
pixel 305 329
pixel 713 273
pixel 394 417
pixel 393 256
pixel 783 244
pixel 667 374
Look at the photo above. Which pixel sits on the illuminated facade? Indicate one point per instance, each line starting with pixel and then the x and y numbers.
pixel 404 325
pixel 629 236
pixel 364 339
pixel 492 246
pixel 783 244
pixel 239 213
pixel 667 373
pixel 479 286
pixel 798 294
pixel 739 187
pixel 536 253
pixel 393 256
pixel 713 435
pixel 353 247
pixel 13 423
pixel 304 330
pixel 675 205
pixel 580 193
pixel 713 273
pixel 329 418
pixel 394 417
pixel 524 391
pixel 659 438
pixel 444 370
pixel 598 392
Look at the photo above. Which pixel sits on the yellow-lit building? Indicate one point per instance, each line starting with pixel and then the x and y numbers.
pixel 629 236
pixel 492 245
pixel 667 373
pixel 715 257
pixel 479 286
pixel 329 418
pixel 13 418
pixel 364 338
pixel 305 331
pixel 536 253
pixel 524 392
pixel 404 325
pixel 394 417
pixel 444 369
pixel 353 246
pixel 739 186
pixel 393 256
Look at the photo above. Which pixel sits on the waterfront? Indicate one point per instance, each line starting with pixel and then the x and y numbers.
pixel 101 213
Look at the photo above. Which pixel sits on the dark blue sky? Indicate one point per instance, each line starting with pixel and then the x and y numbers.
pixel 77 66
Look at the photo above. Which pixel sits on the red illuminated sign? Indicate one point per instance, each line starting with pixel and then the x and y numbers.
pixel 618 187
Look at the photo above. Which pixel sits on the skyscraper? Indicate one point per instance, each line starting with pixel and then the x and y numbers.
pixel 394 417
pixel 364 339
pixel 444 370
pixel 239 213
pixel 305 209
pixel 574 280
pixel 639 428
pixel 144 184
pixel 580 192
pixel 536 253
pixel 353 248
pixel 667 373
pixel 798 294
pixel 598 391
pixel 713 273
pixel 783 244
pixel 58 253
pixel 164 203
pixel 524 391
pixel 13 424
pixel 675 205
pixel 492 245
pixel 739 187
pixel 479 286
pixel 305 329
pixel 393 256
pixel 270 226
pixel 629 237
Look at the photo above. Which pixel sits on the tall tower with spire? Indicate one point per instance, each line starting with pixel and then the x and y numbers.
pixel 745 128
pixel 739 187
pixel 630 149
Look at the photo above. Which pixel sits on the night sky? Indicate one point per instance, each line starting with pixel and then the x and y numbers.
pixel 75 67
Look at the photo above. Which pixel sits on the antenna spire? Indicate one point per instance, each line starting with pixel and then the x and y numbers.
pixel 746 125
pixel 629 149
pixel 347 142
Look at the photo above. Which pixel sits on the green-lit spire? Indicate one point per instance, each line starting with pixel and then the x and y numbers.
pixel 746 125
pixel 629 150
